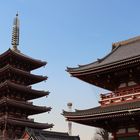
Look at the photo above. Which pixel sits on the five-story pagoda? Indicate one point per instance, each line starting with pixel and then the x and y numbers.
pixel 16 92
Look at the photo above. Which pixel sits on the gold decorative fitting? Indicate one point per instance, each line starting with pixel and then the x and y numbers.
pixel 125 42
pixel 15 34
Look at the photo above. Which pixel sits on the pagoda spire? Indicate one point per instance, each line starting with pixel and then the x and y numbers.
pixel 15 34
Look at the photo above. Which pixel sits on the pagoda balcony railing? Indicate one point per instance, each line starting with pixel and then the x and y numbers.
pixel 123 94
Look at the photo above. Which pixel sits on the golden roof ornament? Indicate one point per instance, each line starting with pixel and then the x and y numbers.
pixel 15 34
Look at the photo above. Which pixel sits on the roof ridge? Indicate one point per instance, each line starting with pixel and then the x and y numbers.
pixel 125 42
pixel 99 60
pixel 116 45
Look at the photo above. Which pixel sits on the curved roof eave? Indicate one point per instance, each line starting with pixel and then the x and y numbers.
pixel 27 123
pixel 35 63
pixel 105 110
pixel 31 93
pixel 123 51
pixel 37 78
pixel 25 105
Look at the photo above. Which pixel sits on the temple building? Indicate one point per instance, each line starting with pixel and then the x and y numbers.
pixel 34 134
pixel 118 72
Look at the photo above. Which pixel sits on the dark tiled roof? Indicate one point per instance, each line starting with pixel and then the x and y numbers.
pixel 32 77
pixel 104 110
pixel 26 106
pixel 24 123
pixel 24 58
pixel 123 51
pixel 50 135
pixel 20 89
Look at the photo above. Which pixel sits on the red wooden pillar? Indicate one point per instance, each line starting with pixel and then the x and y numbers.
pixel 4 135
pixel 139 134
pixel 114 136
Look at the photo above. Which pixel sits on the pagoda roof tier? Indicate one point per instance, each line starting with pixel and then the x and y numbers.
pixel 24 91
pixel 27 107
pixel 99 116
pixel 24 123
pixel 123 55
pixel 8 70
pixel 20 58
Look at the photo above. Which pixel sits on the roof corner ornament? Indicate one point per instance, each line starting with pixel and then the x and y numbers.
pixel 15 34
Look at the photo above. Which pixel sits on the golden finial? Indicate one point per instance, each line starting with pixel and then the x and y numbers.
pixel 15 33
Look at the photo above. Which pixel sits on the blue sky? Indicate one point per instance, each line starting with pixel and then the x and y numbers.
pixel 67 33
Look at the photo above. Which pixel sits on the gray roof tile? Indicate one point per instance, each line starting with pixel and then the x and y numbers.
pixel 108 109
pixel 122 51
pixel 50 135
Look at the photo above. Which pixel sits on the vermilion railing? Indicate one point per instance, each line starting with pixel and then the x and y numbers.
pixel 121 94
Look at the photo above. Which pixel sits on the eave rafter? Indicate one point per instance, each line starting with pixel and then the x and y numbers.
pixel 11 72
pixel 111 79
pixel 28 107
pixel 108 122
pixel 24 123
pixel 10 57
pixel 9 87
pixel 110 113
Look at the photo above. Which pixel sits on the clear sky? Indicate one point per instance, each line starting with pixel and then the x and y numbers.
pixel 67 33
